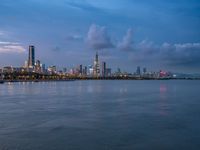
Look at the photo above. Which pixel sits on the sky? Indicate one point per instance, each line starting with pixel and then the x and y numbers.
pixel 156 34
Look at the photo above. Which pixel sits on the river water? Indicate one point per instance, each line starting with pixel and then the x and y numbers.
pixel 100 115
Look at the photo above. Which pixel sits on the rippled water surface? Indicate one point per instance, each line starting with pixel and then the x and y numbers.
pixel 100 115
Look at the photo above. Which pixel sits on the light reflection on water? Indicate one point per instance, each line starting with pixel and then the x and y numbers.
pixel 100 115
pixel 163 100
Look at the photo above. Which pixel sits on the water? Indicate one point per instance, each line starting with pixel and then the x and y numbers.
pixel 100 115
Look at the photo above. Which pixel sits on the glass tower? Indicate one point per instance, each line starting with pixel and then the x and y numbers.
pixel 31 56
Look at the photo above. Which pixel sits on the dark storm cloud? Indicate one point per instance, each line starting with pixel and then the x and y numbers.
pixel 98 38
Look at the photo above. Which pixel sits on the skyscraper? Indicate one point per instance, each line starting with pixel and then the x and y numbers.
pixel 85 70
pixel 38 66
pixel 96 69
pixel 144 70
pixel 138 72
pixel 80 69
pixel 31 56
pixel 103 69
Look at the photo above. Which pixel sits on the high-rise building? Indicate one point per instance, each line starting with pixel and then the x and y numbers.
pixel 138 72
pixel 26 64
pixel 118 70
pixel 103 69
pixel 108 72
pixel 80 69
pixel 31 56
pixel 85 70
pixel 65 70
pixel 144 70
pixel 90 70
pixel 43 68
pixel 96 69
pixel 38 66
pixel 37 63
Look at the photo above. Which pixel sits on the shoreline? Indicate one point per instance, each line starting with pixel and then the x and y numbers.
pixel 92 78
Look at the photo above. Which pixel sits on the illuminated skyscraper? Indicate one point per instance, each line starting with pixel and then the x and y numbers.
pixel 31 56
pixel 96 69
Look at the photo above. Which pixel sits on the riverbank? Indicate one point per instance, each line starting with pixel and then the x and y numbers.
pixel 94 78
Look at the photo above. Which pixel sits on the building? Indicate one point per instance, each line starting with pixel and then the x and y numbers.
pixel 1 73
pixel 8 69
pixel 103 69
pixel 144 70
pixel 43 68
pixel 51 69
pixel 80 69
pixel 85 71
pixel 31 56
pixel 90 70
pixel 26 64
pixel 64 70
pixel 138 72
pixel 96 67
pixel 108 72
pixel 118 70
pixel 72 71
pixel 38 67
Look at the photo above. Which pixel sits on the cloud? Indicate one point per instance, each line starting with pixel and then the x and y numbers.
pixel 98 38
pixel 181 54
pixel 11 47
pixel 127 42
pixel 186 54
pixel 8 43
pixel 75 37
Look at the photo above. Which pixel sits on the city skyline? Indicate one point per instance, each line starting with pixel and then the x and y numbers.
pixel 35 70
pixel 156 35
pixel 96 69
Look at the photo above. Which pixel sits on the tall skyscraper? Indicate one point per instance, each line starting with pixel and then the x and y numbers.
pixel 80 69
pixel 31 56
pixel 90 70
pixel 138 72
pixel 144 70
pixel 103 69
pixel 108 72
pixel 43 69
pixel 85 70
pixel 96 69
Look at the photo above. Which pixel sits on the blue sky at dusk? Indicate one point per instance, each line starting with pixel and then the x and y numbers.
pixel 157 34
